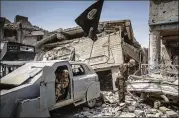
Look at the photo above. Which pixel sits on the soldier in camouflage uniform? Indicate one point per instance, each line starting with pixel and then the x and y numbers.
pixel 62 82
pixel 121 79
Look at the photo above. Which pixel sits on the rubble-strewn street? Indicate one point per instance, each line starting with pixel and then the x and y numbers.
pixel 131 108
pixel 111 108
pixel 93 62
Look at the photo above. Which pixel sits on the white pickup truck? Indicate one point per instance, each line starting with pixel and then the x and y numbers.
pixel 29 91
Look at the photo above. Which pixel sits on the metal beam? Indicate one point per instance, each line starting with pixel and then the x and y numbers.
pixel 170 37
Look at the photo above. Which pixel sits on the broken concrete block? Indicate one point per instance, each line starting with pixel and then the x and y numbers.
pixel 128 115
pixel 98 104
pixel 133 103
pixel 171 113
pixel 128 102
pixel 107 114
pixel 163 109
pixel 131 108
pixel 125 109
pixel 86 113
pixel 117 115
pixel 85 108
pixel 157 104
pixel 128 98
pixel 151 111
pixel 139 112
pixel 121 104
pixel 158 115
pixel 150 115
pixel 104 105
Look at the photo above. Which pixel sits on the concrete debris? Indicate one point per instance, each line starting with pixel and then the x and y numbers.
pixel 157 104
pixel 128 115
pixel 163 109
pixel 171 114
pixel 152 111
pixel 158 115
pixel 85 108
pixel 121 104
pixel 150 115
pixel 139 112
pixel 110 97
pixel 131 108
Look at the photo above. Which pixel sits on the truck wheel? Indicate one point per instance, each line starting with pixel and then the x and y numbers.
pixel 91 103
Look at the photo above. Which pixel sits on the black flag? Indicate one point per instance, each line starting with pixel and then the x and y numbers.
pixel 89 19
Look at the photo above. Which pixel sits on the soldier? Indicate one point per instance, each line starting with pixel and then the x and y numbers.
pixel 122 77
pixel 121 83
pixel 62 82
pixel 131 66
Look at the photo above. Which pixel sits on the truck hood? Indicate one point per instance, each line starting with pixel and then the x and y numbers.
pixel 25 72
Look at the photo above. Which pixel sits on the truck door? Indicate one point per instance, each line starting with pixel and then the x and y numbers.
pixel 79 79
pixel 66 94
pixel 47 88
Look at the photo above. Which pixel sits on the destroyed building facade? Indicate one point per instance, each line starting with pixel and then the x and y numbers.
pixel 163 22
pixel 115 45
pixel 21 31
pixel 159 77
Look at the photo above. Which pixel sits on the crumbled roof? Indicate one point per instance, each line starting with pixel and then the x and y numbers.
pixel 11 26
pixel 15 26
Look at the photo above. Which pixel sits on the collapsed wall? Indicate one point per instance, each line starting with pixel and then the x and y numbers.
pixel 104 55
pixel 21 31
pixel 160 76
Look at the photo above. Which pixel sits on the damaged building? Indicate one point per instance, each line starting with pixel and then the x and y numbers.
pixel 17 39
pixel 160 76
pixel 21 31
pixel 116 44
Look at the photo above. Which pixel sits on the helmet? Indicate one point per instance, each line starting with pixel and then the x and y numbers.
pixel 132 62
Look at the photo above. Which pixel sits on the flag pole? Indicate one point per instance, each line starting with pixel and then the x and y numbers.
pixel 91 52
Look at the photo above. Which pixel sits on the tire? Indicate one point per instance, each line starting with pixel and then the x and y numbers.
pixel 91 103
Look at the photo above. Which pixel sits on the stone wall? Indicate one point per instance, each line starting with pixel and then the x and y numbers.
pixel 30 40
pixel 163 11
pixel 19 18
pixel 106 51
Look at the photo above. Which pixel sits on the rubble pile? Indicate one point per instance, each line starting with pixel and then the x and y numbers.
pixel 131 108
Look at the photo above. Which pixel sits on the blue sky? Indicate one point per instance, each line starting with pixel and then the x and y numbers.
pixel 52 15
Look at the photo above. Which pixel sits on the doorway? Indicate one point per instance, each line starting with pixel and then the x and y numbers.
pixel 105 78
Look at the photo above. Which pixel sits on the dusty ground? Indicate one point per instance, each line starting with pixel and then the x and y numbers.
pixel 67 111
pixel 111 108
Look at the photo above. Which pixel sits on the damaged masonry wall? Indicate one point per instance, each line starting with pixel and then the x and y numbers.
pixel 162 76
pixel 163 22
pixel 106 55
pixel 21 30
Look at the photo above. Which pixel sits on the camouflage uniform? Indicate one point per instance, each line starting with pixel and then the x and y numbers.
pixel 62 82
pixel 121 80
pixel 121 83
